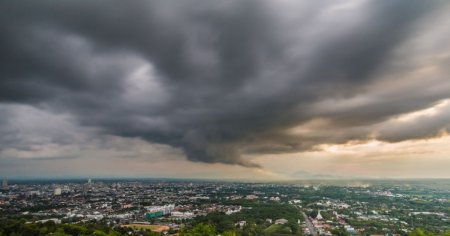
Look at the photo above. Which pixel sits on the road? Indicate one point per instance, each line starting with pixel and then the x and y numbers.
pixel 309 224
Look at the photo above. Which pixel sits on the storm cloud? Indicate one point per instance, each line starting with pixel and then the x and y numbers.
pixel 221 78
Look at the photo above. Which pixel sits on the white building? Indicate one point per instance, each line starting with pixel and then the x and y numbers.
pixel 66 189
pixel 233 210
pixel 295 201
pixel 281 221
pixel 166 209
pixel 274 198
pixel 33 192
pixel 241 223
pixel 319 216
pixel 57 191
pixel 57 221
pixel 182 215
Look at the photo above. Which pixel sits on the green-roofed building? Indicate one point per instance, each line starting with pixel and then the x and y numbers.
pixel 151 215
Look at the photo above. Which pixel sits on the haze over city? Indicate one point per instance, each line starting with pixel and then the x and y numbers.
pixel 238 89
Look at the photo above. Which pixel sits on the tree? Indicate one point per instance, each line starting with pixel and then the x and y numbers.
pixel 419 232
pixel 60 232
pixel 229 233
pixel 340 232
pixel 294 226
pixel 200 230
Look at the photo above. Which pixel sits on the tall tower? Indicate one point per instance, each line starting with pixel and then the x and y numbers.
pixel 4 183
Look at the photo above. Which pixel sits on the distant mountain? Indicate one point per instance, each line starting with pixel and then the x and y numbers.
pixel 301 174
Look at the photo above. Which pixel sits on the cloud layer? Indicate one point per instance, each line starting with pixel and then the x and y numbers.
pixel 218 79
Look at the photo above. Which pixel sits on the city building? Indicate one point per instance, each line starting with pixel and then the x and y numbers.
pixel 158 211
pixel 57 191
pixel 281 221
pixel 319 216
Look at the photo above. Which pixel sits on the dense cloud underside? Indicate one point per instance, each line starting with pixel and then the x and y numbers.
pixel 218 79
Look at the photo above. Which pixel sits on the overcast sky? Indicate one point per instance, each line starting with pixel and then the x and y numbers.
pixel 242 89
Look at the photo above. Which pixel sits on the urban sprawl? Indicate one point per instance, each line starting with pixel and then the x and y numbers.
pixel 171 207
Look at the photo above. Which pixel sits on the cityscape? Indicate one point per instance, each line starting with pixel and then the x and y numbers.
pixel 173 207
pixel 224 118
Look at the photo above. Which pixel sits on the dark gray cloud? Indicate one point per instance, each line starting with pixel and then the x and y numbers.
pixel 219 78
